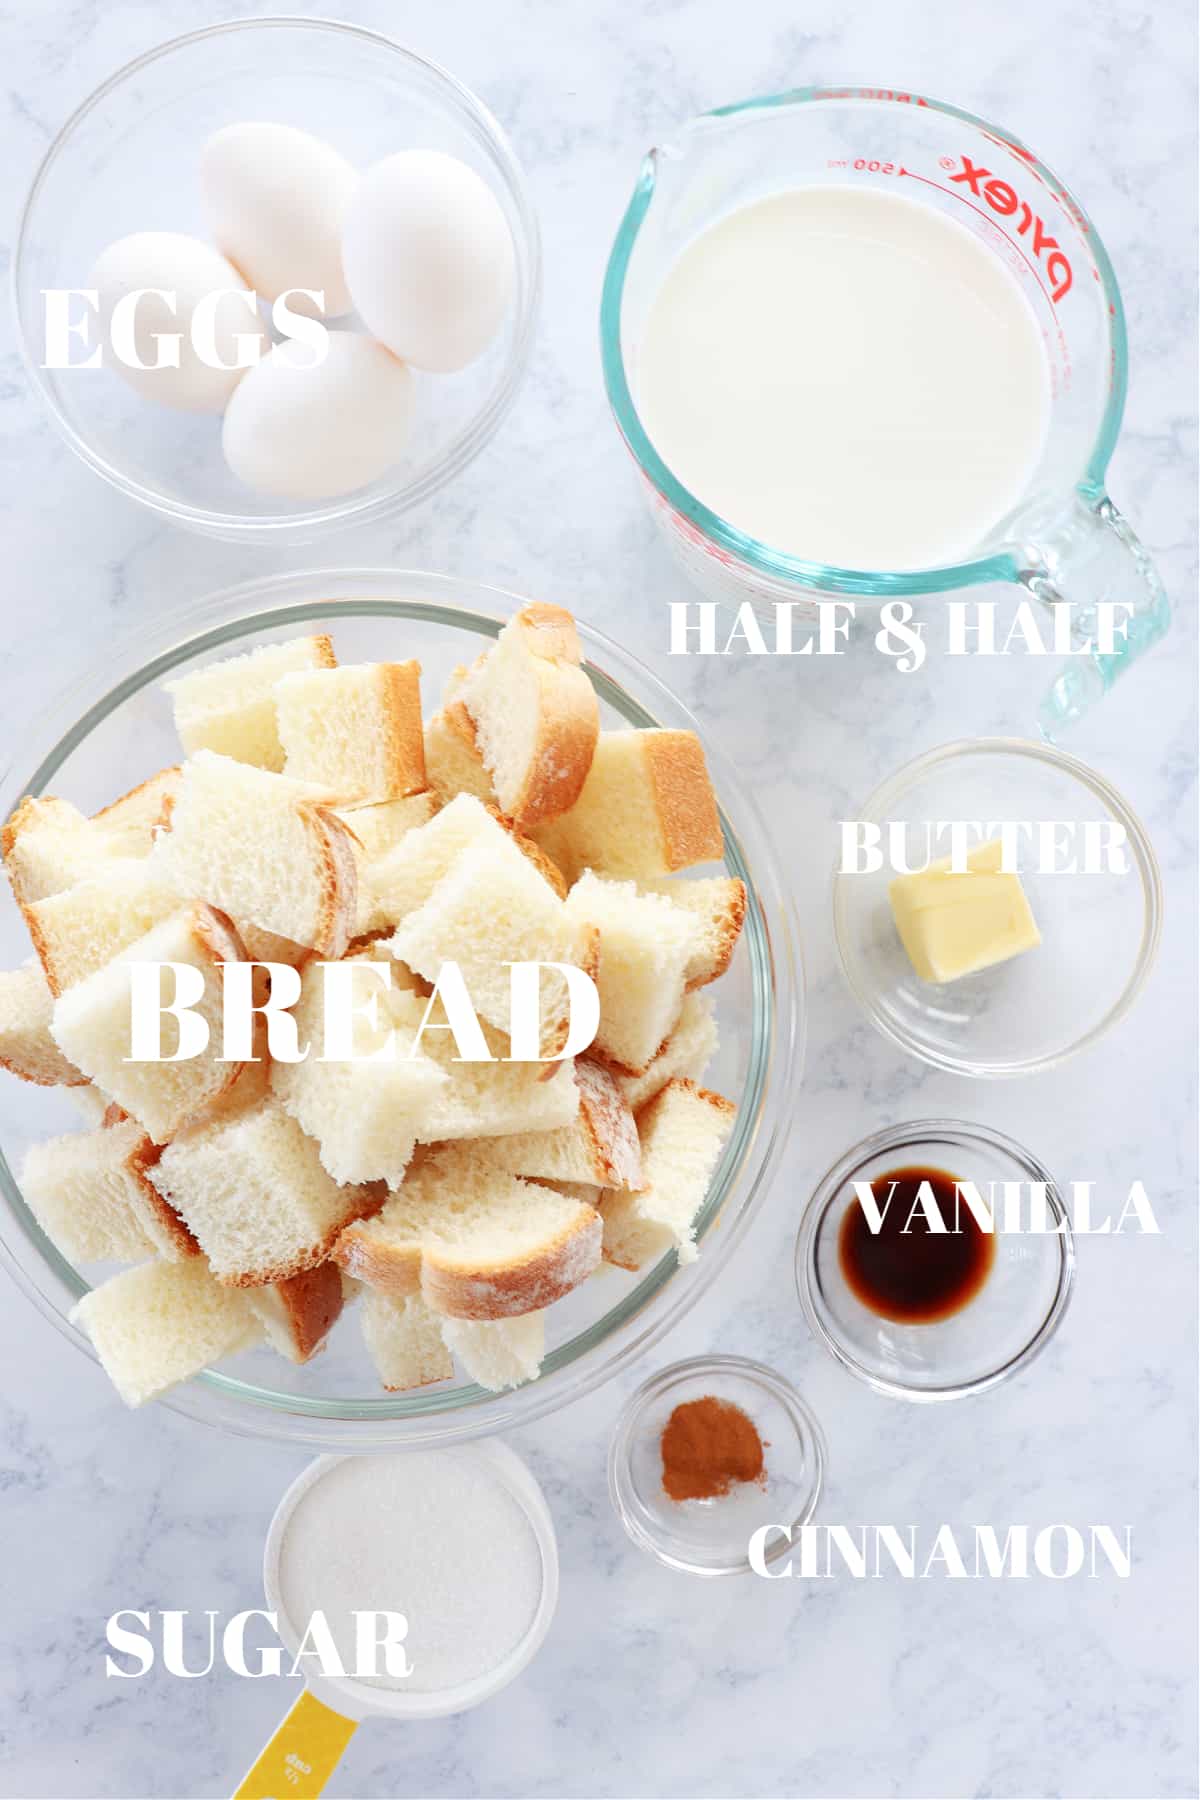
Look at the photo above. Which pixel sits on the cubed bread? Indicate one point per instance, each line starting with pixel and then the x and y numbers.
pixel 493 908
pixel 474 1242
pixel 261 848
pixel 364 1115
pixel 646 945
pixel 498 1353
pixel 405 875
pixel 599 1147
pixel 253 1192
pixel 76 932
pixel 687 1053
pixel 92 1024
pixel 298 1314
pixel 48 845
pixel 317 821
pixel 719 906
pixel 229 706
pixel 376 831
pixel 646 809
pixel 535 715
pixel 355 730
pixel 90 1104
pixel 485 1100
pixel 161 1323
pixel 26 1046
pixel 89 1193
pixel 131 823
pixel 379 826
pixel 683 1132
pixel 453 764
pixel 404 1341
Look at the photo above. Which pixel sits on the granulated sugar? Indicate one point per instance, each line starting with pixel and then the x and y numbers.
pixel 434 1535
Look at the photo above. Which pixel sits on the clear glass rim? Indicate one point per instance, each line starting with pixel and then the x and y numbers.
pixel 357 1698
pixel 1146 863
pixel 353 510
pixel 808 1431
pixel 743 1176
pixel 958 1134
pixel 1003 564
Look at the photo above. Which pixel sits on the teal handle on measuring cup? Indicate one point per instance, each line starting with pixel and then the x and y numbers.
pixel 1092 556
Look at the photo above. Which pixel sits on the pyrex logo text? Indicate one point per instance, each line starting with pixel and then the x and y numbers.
pixel 1005 200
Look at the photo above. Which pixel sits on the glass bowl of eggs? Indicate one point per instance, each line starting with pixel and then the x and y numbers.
pixel 200 198
pixel 117 729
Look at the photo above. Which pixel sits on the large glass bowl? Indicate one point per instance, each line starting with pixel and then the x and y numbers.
pixel 128 160
pixel 116 728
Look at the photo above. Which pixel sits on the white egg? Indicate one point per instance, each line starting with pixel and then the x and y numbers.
pixel 274 199
pixel 190 270
pixel 429 258
pixel 315 433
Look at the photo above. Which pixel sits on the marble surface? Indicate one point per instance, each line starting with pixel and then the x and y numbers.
pixel 652 1683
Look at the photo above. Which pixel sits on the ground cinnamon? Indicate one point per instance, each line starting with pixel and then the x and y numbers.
pixel 707 1445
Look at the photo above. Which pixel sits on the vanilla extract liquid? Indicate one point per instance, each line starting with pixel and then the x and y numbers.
pixel 905 1271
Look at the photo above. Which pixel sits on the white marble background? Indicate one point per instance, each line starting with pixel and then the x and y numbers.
pixel 654 1684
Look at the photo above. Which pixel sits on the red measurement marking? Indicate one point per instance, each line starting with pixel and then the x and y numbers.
pixel 987 217
pixel 1017 149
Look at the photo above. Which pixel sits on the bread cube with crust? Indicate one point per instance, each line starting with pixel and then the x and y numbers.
pixel 229 706
pixel 645 946
pixel 475 1242
pixel 719 906
pixel 646 809
pixel 355 730
pixel 379 825
pixel 683 1132
pixel 263 849
pixel 493 908
pixel 131 823
pixel 161 1323
pixel 376 830
pixel 535 714
pixel 404 1341
pixel 498 1353
pixel 453 764
pixel 90 1194
pixel 48 845
pixel 92 1024
pixel 251 1188
pixel 486 1099
pixel 26 1046
pixel 298 1314
pixel 599 1147
pixel 363 1115
pixel 77 931
pixel 687 1053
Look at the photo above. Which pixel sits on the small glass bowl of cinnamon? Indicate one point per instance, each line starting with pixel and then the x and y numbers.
pixel 708 1451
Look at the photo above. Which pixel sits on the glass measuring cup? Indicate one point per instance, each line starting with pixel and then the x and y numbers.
pixel 1065 541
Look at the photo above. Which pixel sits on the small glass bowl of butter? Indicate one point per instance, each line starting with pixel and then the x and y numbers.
pixel 997 907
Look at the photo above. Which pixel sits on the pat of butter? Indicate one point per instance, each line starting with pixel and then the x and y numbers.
pixel 954 924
